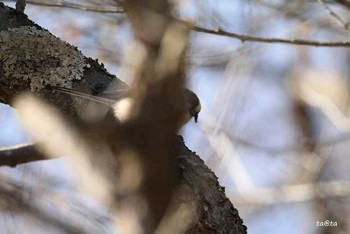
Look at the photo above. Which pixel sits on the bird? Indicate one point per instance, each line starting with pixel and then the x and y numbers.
pixel 121 104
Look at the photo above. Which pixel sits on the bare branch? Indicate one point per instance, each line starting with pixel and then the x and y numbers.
pixel 345 3
pixel 334 15
pixel 62 3
pixel 244 38
pixel 16 196
pixel 225 149
pixel 294 193
pixel 292 148
pixel 20 154
pixel 157 108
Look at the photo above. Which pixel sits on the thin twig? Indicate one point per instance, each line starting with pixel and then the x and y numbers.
pixel 294 193
pixel 220 32
pixel 244 38
pixel 101 9
pixel 17 197
pixel 225 149
pixel 334 15
pixel 292 148
pixel 344 3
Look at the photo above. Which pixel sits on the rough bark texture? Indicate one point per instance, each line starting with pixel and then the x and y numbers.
pixel 215 213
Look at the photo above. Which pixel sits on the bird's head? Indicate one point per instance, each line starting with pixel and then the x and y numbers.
pixel 193 104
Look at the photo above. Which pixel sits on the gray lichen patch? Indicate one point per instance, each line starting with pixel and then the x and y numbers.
pixel 28 54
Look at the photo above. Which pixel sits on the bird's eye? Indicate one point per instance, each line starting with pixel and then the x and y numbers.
pixel 198 108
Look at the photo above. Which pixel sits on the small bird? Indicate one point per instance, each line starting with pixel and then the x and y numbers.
pixel 122 104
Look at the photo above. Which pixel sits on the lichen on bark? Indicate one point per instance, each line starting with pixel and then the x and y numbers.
pixel 33 55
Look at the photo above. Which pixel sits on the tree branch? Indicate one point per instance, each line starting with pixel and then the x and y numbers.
pixel 244 38
pixel 294 193
pixel 20 154
pixel 62 3
pixel 345 3
pixel 334 15
pixel 293 148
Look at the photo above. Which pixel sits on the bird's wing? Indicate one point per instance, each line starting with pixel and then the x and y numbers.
pixel 108 98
